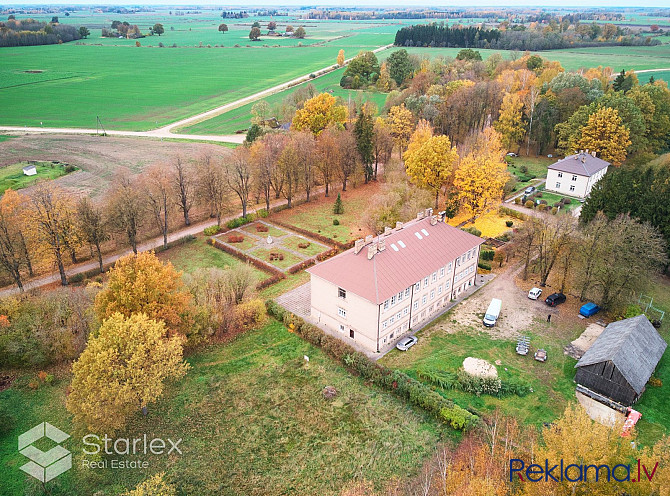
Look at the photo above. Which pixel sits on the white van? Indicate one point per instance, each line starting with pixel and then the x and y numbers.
pixel 492 313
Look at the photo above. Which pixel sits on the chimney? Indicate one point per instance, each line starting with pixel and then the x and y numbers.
pixel 398 225
pixel 387 230
pixel 358 246
pixel 428 212
pixel 368 239
pixel 382 245
pixel 433 220
pixel 593 153
pixel 372 250
pixel 419 215
pixel 441 216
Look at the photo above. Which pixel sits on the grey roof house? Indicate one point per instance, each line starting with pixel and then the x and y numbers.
pixel 622 359
pixel 575 175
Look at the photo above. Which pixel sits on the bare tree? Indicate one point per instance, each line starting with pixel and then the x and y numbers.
pixel 125 208
pixel 382 144
pixel 184 187
pixel 157 188
pixel 92 226
pixel 552 238
pixel 213 187
pixel 290 167
pixel 239 175
pixel 328 153
pixel 527 239
pixel 305 148
pixel 349 158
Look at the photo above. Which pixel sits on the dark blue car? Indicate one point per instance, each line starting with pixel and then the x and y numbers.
pixel 589 309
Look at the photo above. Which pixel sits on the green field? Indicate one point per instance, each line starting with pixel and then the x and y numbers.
pixel 253 421
pixel 13 177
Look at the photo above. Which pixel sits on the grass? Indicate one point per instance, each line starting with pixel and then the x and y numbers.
pixel 313 249
pixel 273 231
pixel 197 254
pixel 246 244
pixel 491 224
pixel 534 166
pixel 4 137
pixel 253 421
pixel 264 254
pixel 552 198
pixel 13 177
pixel 551 381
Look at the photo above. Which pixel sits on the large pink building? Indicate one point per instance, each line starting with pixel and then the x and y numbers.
pixel 376 292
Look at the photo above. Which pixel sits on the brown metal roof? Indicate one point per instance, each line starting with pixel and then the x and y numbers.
pixel 583 164
pixel 397 267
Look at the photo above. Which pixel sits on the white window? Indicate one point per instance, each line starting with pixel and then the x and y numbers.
pixel 406 292
pixel 432 294
pixel 434 277
pixel 398 316
pixel 560 174
pixel 469 255
pixel 416 305
pixel 417 286
pixel 392 319
pixel 400 296
pixel 572 187
pixel 341 327
pixel 342 312
pixel 341 293
pixel 386 305
pixel 405 310
pixel 425 282
pixel 446 285
pixel 424 299
pixel 574 178
pixel 449 266
pixel 392 300
pixel 385 325
pixel 558 185
pixel 439 289
pixel 442 272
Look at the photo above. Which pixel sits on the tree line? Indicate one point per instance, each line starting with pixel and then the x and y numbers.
pixel 29 32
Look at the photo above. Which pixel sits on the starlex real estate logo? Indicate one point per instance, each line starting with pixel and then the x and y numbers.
pixel 44 466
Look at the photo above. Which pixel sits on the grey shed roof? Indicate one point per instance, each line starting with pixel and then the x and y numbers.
pixel 633 345
pixel 583 164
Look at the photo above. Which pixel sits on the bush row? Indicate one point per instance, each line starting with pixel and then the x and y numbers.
pixel 394 381
pixel 484 265
pixel 240 221
pixel 246 258
pixel 473 384
pixel 512 213
pixel 487 255
pixel 317 236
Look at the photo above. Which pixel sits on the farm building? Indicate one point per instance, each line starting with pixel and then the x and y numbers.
pixel 576 174
pixel 379 290
pixel 621 361
pixel 30 170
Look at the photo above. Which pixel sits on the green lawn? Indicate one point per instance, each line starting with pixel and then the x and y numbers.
pixel 197 254
pixel 246 244
pixel 264 254
pixel 13 177
pixel 273 231
pixel 252 420
pixel 292 242
pixel 552 198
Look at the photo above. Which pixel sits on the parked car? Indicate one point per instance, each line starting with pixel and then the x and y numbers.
pixel 541 355
pixel 529 190
pixel 511 154
pixel 406 343
pixel 492 313
pixel 589 309
pixel 534 293
pixel 555 299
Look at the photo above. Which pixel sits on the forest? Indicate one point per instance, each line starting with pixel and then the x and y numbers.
pixel 28 32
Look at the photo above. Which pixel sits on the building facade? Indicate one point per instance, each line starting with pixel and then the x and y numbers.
pixel 375 293
pixel 576 175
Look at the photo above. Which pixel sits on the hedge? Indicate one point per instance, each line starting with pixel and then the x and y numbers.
pixel 317 236
pixel 512 213
pixel 246 258
pixel 240 221
pixel 394 381
pixel 176 242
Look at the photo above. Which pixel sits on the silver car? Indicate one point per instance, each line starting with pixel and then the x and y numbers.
pixel 406 343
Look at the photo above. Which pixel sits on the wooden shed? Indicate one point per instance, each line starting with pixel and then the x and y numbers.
pixel 622 359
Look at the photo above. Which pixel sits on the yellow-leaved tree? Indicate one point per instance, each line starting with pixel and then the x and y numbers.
pixel 482 174
pixel 430 160
pixel 510 123
pixel 606 135
pixel 153 486
pixel 319 112
pixel 142 283
pixel 385 83
pixel 340 58
pixel 122 370
pixel 401 121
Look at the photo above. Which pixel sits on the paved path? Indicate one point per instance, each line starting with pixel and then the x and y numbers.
pixel 167 131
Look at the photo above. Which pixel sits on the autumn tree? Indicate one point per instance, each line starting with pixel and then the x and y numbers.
pixel 158 29
pixel 319 112
pixel 92 226
pixel 126 209
pixel 255 34
pixel 605 134
pixel 510 123
pixel 340 58
pixel 142 283
pixel 259 112
pixel 305 146
pixel 123 370
pixel 554 236
pixel 482 173
pixel 300 33
pixel 212 186
pixel 184 186
pixel 272 25
pixel 290 168
pixel 239 175
pixel 348 159
pixel 385 83
pixel 400 120
pixel 157 188
pixel 53 221
pixel 13 248
pixel 223 28
pixel 328 155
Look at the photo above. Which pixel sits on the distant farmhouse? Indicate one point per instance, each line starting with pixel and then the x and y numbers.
pixel 377 291
pixel 576 174
pixel 30 170
pixel 620 362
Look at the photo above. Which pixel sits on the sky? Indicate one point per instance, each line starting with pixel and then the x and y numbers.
pixel 371 3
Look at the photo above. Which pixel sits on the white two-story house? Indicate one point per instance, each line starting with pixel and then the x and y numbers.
pixel 379 290
pixel 576 174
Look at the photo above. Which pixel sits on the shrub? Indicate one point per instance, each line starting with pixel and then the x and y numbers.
pixel 484 265
pixel 542 207
pixel 212 230
pixel 249 314
pixel 235 238
pixel 336 222
pixel 539 194
pixel 304 245
pixel 529 204
pixel 554 210
pixel 276 256
pixel 275 310
pixel 524 169
pixel 240 221
pixel 632 311
pixel 262 228
pixel 510 223
pixel 478 385
pixel 543 202
pixel 262 213
pixel 70 168
pixel 487 255
pixel 473 230
pixel 517 200
pixel 655 381
pixel 567 201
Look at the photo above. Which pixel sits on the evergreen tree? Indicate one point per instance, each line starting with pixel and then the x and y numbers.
pixel 364 132
pixel 338 208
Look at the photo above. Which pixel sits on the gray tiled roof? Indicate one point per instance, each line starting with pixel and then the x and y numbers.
pixel 633 345
pixel 583 164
